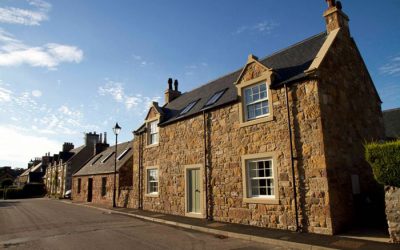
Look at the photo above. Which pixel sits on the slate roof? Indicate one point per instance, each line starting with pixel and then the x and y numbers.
pixel 32 169
pixel 96 166
pixel 289 64
pixel 391 119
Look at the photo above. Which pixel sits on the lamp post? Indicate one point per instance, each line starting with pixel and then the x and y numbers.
pixel 116 130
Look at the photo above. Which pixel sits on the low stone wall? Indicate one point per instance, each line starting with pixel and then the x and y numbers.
pixel 392 200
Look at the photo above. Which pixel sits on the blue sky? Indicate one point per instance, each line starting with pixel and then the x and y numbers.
pixel 72 66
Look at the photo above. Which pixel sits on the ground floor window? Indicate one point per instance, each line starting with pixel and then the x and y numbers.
pixel 152 181
pixel 103 186
pixel 260 178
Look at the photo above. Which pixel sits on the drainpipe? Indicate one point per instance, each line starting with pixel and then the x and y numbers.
pixel 292 160
pixel 205 161
pixel 140 170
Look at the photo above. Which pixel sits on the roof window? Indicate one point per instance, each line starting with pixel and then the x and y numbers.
pixel 108 157
pixel 213 99
pixel 98 158
pixel 123 153
pixel 188 108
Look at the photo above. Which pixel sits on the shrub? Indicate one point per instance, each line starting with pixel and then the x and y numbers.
pixel 6 183
pixel 14 193
pixel 1 193
pixel 385 161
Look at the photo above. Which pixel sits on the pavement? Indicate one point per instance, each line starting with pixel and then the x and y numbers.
pixel 51 224
pixel 277 237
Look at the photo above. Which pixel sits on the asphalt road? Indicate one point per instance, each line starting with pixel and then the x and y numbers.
pixel 51 224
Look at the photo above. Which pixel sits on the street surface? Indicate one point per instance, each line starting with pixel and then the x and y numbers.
pixel 51 224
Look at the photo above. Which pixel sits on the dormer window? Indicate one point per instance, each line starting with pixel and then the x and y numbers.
pixel 153 132
pixel 256 101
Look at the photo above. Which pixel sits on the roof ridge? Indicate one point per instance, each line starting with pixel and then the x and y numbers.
pixel 264 58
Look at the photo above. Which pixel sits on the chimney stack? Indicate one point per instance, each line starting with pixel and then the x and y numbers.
pixel 172 94
pixel 335 18
pixel 105 138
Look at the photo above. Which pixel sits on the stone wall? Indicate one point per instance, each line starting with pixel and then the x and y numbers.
pixel 123 192
pixel 392 198
pixel 182 143
pixel 351 116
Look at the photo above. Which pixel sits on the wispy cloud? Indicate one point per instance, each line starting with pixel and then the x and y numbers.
pixel 29 17
pixel 142 62
pixel 390 93
pixel 192 68
pixel 264 27
pixel 25 107
pixel 392 68
pixel 117 92
pixel 14 52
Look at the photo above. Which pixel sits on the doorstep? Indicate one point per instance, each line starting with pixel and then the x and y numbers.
pixel 278 237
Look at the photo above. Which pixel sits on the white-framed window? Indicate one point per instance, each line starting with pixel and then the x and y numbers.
pixel 153 132
pixel 152 181
pixel 256 101
pixel 260 178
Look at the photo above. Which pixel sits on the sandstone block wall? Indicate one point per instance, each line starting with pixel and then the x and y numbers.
pixel 182 144
pixel 392 200
pixel 351 116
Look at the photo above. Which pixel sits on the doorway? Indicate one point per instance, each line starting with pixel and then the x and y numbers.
pixel 90 190
pixel 193 192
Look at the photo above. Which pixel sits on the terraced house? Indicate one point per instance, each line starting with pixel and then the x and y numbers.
pixel 94 182
pixel 277 143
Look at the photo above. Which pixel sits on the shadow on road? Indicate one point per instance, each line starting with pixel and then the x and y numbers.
pixel 7 203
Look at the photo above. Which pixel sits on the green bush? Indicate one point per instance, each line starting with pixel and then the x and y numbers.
pixel 1 193
pixel 34 190
pixel 385 161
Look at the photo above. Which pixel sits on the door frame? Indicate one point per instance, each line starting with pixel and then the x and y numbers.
pixel 202 213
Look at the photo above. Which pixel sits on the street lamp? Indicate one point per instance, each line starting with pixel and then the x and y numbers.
pixel 116 130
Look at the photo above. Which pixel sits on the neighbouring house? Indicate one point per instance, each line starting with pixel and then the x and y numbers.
pixel 277 143
pixel 94 182
pixel 8 175
pixel 35 172
pixel 58 176
pixel 391 119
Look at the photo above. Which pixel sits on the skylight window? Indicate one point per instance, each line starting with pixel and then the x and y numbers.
pixel 108 157
pixel 215 98
pixel 123 153
pixel 98 158
pixel 188 108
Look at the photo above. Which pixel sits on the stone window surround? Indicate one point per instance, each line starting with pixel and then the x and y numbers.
pixel 148 132
pixel 146 194
pixel 261 200
pixel 266 77
pixel 203 196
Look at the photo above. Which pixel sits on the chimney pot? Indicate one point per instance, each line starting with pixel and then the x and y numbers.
pixel 170 83
pixel 176 85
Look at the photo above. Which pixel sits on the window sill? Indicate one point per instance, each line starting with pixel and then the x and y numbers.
pixel 257 121
pixel 268 201
pixel 153 195
pixel 153 145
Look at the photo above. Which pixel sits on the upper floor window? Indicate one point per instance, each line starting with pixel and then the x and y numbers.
pixel 153 132
pixel 256 101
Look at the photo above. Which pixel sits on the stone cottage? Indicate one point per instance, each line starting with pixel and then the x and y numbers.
pixel 58 178
pixel 94 182
pixel 277 143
